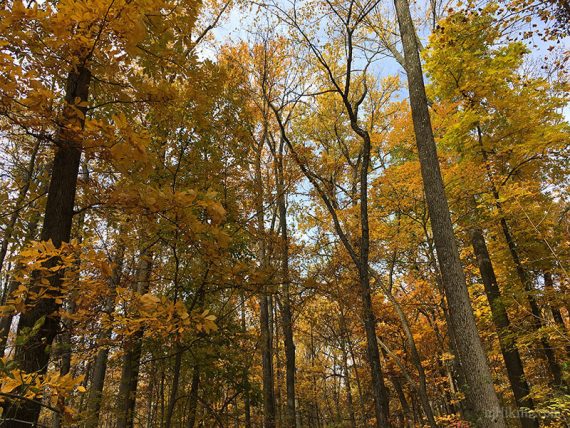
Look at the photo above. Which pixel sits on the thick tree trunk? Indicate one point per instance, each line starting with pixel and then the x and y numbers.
pixel 513 362
pixel 126 398
pixel 67 334
pixel 33 356
pixel 480 392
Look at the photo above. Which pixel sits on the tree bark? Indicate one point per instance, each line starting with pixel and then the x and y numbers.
pixel 347 380
pixel 174 389
pixel 126 398
pixel 511 356
pixel 546 351
pixel 33 357
pixel 286 313
pixel 100 366
pixel 193 398
pixel 480 392
pixel 269 405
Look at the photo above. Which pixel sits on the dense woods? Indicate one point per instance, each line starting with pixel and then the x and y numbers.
pixel 314 213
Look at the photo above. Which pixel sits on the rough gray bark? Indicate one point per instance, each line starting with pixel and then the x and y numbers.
pixel 480 392
pixel 511 356
pixel 32 356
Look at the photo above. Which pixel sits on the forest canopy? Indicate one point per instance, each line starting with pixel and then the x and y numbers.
pixel 286 213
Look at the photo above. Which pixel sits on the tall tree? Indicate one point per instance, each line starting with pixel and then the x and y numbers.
pixel 480 393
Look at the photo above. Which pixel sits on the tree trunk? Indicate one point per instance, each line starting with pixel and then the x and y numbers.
pixel 33 356
pixel 66 336
pixel 269 411
pixel 267 365
pixel 286 313
pixel 513 362
pixel 347 380
pixel 245 374
pixel 359 256
pixel 480 392
pixel 546 351
pixel 401 397
pixel 381 399
pixel 193 398
pixel 100 367
pixel 6 321
pixel 126 398
pixel 554 310
pixel 174 390
pixel 10 227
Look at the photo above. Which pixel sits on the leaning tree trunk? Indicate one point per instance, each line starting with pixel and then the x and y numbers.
pixel 480 393
pixel 513 362
pixel 33 356
pixel 126 398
